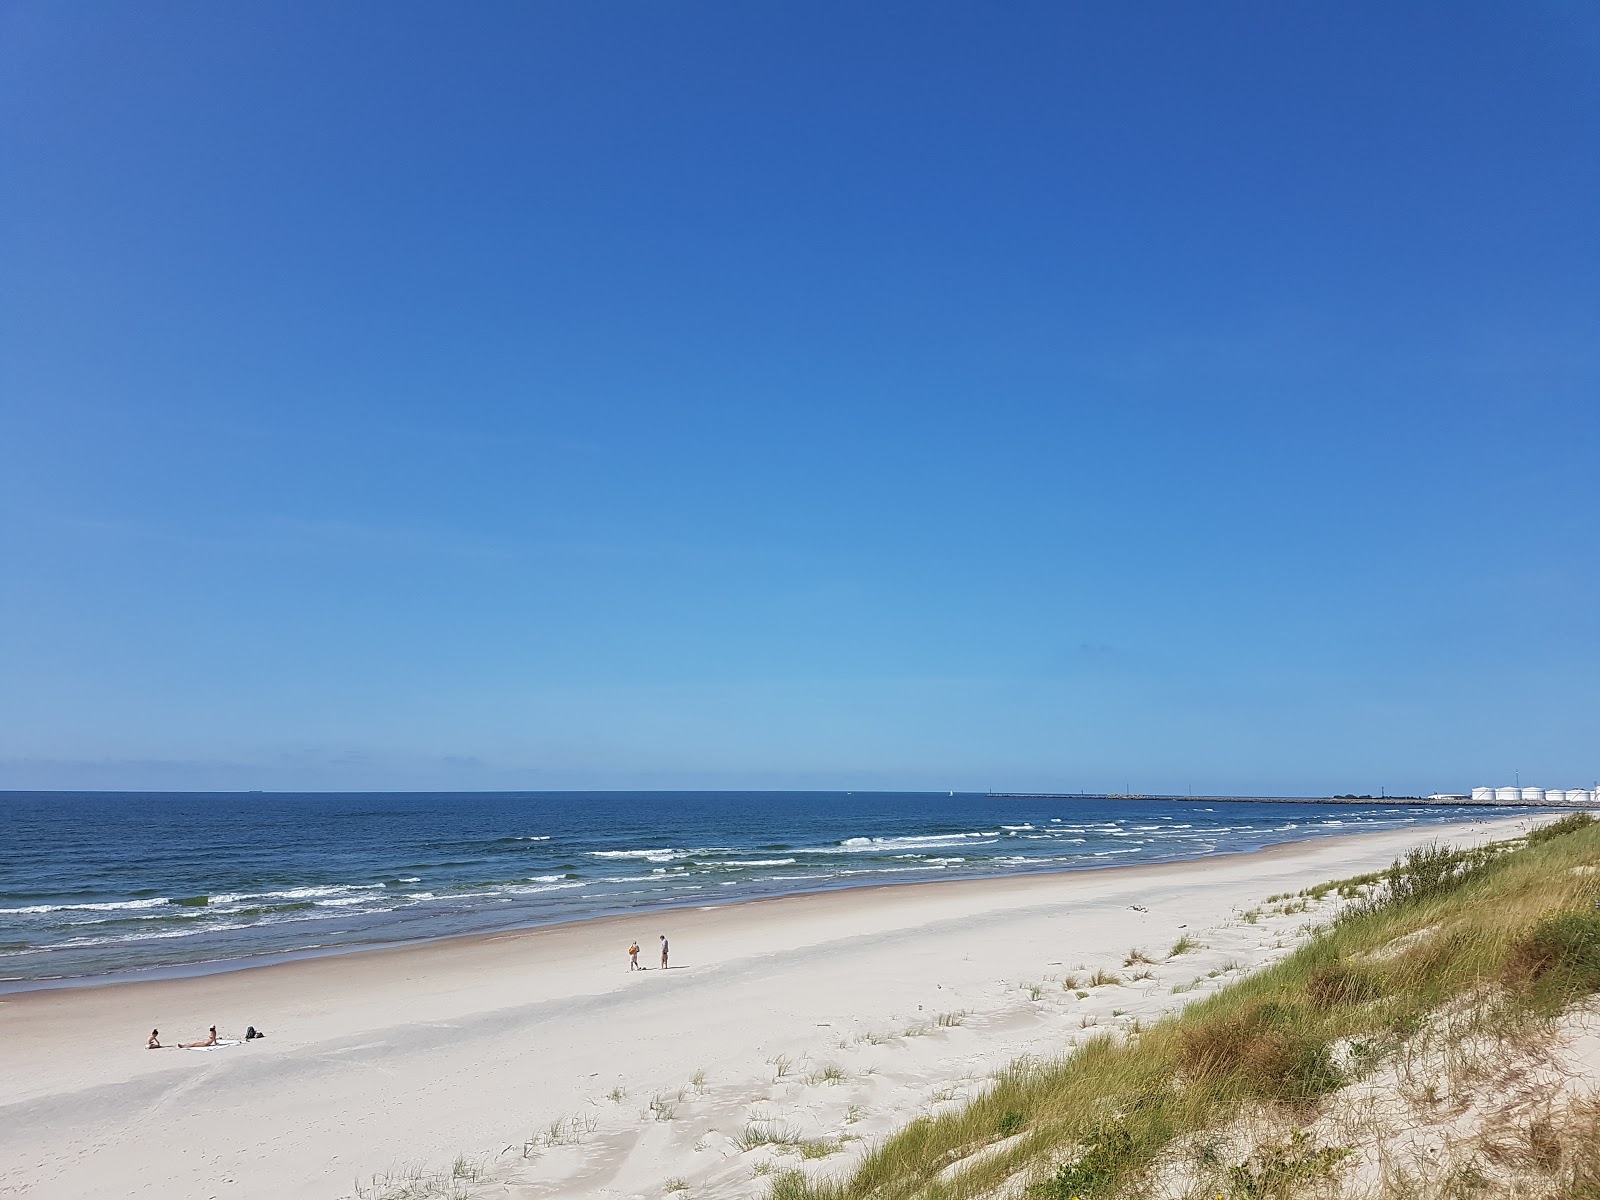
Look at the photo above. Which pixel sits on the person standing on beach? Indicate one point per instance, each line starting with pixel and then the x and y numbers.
pixel 633 957
pixel 663 952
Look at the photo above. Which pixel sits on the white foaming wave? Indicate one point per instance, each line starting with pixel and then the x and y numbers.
pixel 74 943
pixel 661 855
pixel 544 837
pixel 862 845
pixel 548 887
pixel 757 862
pixel 299 893
pixel 1016 828
pixel 108 906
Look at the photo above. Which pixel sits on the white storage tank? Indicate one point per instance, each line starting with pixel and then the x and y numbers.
pixel 1533 795
pixel 1508 795
pixel 1483 795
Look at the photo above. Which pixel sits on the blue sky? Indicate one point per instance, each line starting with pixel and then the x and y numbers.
pixel 1029 396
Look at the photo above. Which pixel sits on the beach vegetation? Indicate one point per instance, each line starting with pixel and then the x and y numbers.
pixel 1432 977
pixel 1572 823
pixel 1137 956
pixel 675 1185
pixel 419 1183
pixel 563 1131
pixel 1069 983
pixel 1011 1123
pixel 1182 946
pixel 949 1020
pixel 1104 978
pixel 767 1133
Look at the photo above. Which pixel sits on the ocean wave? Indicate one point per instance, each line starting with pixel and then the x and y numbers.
pixel 312 892
pixel 107 906
pixel 661 855
pixel 159 936
pixel 861 845
pixel 757 862
pixel 548 887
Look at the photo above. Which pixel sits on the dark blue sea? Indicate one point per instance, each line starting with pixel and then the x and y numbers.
pixel 99 885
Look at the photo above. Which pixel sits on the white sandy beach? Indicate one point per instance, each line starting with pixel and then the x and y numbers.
pixel 539 1058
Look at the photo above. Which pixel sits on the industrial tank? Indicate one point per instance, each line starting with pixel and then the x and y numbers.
pixel 1508 795
pixel 1533 795
pixel 1483 795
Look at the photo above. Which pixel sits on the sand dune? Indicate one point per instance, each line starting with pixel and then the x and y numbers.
pixel 543 1065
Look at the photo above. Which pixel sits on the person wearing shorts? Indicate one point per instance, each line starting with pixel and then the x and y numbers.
pixel 663 952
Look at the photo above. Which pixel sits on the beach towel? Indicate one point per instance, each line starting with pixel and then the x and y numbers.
pixel 215 1046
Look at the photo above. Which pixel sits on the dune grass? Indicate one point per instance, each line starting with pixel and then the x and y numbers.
pixel 1516 922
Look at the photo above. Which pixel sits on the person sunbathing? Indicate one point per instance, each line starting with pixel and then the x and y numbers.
pixel 210 1041
pixel 155 1040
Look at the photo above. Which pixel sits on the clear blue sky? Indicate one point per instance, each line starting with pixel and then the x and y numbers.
pixel 894 395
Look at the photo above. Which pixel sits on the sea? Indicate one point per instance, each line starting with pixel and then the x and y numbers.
pixel 97 887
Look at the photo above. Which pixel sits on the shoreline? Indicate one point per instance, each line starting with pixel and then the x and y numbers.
pixel 229 966
pixel 537 1055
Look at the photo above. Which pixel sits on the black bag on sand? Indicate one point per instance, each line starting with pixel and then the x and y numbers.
pixel 251 1035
